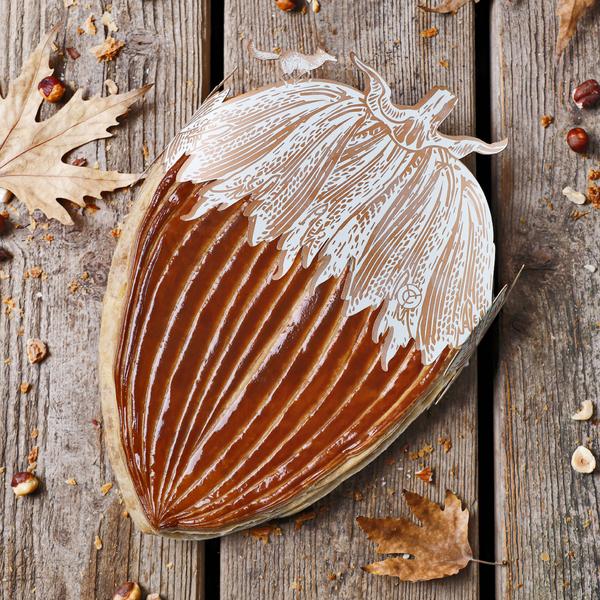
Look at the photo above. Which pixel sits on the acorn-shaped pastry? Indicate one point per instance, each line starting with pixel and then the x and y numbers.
pixel 290 291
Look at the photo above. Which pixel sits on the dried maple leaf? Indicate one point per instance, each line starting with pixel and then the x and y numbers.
pixel 446 6
pixel 31 151
pixel 569 12
pixel 440 546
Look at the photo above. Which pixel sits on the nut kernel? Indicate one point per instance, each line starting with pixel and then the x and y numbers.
pixel 24 483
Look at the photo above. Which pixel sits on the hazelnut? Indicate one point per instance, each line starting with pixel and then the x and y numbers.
pixel 587 408
pixel 288 5
pixel 3 222
pixel 583 460
pixel 51 89
pixel 587 94
pixel 24 483
pixel 129 590
pixel 578 139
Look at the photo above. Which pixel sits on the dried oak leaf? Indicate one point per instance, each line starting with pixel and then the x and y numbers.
pixel 440 547
pixel 31 151
pixel 446 6
pixel 569 12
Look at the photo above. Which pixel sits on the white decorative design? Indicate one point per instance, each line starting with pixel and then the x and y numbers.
pixel 409 296
pixel 292 61
pixel 351 181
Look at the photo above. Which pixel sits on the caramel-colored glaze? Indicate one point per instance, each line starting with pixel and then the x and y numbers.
pixel 237 392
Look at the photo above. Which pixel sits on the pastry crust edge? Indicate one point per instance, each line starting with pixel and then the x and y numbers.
pixel 113 311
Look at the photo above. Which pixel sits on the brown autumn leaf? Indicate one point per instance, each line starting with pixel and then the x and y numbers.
pixel 569 12
pixel 31 151
pixel 439 547
pixel 446 6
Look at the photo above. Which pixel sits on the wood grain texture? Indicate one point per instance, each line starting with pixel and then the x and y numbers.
pixel 47 541
pixel 322 559
pixel 547 515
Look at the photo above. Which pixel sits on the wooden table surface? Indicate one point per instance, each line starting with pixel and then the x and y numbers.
pixel 509 414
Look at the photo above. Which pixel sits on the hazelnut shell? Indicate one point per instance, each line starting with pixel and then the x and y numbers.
pixel 24 483
pixel 129 590
pixel 51 88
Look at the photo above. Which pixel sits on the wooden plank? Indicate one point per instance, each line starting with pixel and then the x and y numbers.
pixel 324 557
pixel 549 346
pixel 47 541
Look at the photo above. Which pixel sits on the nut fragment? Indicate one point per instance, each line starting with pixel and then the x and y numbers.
pixel 583 460
pixel 24 483
pixel 106 488
pixel 130 590
pixel 288 5
pixel 578 140
pixel 51 88
pixel 425 474
pixel 587 94
pixel 108 50
pixel 111 86
pixel 585 412
pixel 429 33
pixel 36 351
pixel 574 196
pixel 73 52
pixel 593 194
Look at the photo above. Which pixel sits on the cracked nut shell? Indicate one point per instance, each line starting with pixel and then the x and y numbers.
pixel 586 411
pixel 288 5
pixel 51 88
pixel 24 483
pixel 583 460
pixel 129 590
pixel 587 94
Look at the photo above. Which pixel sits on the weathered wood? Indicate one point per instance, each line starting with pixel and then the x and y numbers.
pixel 547 515
pixel 323 558
pixel 47 541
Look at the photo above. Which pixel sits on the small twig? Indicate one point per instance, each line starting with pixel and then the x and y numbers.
pixel 487 562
